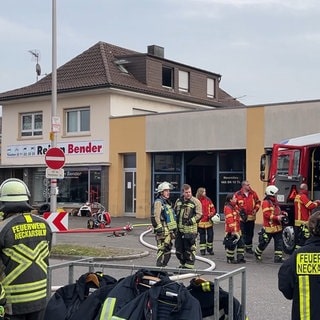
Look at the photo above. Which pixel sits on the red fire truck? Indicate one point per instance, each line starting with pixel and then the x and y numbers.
pixel 290 163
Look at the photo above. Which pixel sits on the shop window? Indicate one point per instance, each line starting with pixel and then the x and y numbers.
pixel 77 186
pixel 232 160
pixel 167 167
pixel 78 120
pixel 31 124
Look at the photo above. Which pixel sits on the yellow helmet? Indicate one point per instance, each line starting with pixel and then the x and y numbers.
pixel 14 190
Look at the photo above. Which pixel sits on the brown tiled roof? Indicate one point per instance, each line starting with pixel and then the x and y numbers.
pixel 95 68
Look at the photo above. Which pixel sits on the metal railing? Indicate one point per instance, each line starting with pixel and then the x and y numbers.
pixel 179 274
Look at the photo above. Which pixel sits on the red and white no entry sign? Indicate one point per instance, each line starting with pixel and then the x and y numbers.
pixel 55 158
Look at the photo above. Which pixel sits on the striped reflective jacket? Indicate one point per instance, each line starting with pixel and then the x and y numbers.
pixel 24 250
pixel 299 278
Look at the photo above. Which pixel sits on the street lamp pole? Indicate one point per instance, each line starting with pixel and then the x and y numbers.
pixel 53 134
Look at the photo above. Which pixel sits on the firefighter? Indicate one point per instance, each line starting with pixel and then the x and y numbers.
pixel 163 219
pixel 249 204
pixel 299 278
pixel 189 212
pixel 25 242
pixel 272 227
pixel 303 207
pixel 233 240
pixel 205 225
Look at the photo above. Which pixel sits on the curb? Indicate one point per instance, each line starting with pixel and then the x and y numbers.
pixel 110 258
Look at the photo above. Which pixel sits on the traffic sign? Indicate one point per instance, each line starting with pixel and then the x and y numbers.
pixel 54 173
pixel 58 221
pixel 55 158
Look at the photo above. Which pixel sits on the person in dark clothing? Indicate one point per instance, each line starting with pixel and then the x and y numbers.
pixel 299 276
pixel 25 242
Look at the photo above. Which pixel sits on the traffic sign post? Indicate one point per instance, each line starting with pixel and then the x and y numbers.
pixel 55 158
pixel 58 221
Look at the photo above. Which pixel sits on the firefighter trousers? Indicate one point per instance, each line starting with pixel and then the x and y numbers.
pixel 186 249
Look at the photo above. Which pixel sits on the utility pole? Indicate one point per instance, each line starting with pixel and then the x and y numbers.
pixel 53 134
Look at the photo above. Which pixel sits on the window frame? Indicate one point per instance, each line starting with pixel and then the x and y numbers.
pixel 168 77
pixel 184 81
pixel 78 120
pixel 33 131
pixel 211 88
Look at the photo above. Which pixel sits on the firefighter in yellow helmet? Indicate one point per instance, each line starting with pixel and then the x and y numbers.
pixel 25 242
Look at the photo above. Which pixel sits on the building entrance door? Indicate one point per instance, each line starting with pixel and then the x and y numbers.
pixel 130 192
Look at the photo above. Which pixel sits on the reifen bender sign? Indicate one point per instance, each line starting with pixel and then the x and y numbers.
pixel 71 149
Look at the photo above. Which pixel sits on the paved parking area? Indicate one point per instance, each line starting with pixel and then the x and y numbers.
pixel 264 301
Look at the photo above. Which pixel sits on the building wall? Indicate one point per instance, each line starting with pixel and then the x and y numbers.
pixel 127 135
pixel 290 120
pixel 99 131
pixel 215 129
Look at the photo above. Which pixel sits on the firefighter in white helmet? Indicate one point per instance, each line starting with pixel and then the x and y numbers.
pixel 164 223
pixel 272 226
pixel 25 241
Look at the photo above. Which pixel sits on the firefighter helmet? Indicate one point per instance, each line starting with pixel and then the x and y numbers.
pixel 14 190
pixel 271 190
pixel 288 238
pixel 164 186
pixel 215 219
pixel 314 223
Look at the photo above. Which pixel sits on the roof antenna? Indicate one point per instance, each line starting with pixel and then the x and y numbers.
pixel 36 57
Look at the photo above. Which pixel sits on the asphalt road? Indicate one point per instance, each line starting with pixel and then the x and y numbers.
pixel 263 300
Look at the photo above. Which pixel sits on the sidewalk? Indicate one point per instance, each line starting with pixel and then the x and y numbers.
pixel 264 301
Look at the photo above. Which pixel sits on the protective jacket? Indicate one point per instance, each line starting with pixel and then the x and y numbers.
pixel 189 213
pixel 80 300
pixel 249 202
pixel 163 215
pixel 164 300
pixel 232 218
pixel 25 241
pixel 208 211
pixel 203 291
pixel 128 289
pixel 298 280
pixel 271 212
pixel 302 208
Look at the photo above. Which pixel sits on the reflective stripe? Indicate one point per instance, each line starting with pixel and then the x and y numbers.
pixel 28 218
pixel 27 297
pixel 25 257
pixel 107 309
pixel 206 286
pixel 304 297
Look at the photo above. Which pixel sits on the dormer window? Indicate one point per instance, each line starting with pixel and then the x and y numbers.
pixel 183 81
pixel 210 88
pixel 120 64
pixel 167 77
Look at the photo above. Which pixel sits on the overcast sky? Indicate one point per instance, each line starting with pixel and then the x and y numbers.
pixel 267 51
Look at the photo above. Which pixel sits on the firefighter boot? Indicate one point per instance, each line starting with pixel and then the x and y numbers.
pixel 203 252
pixel 278 259
pixel 232 260
pixel 258 256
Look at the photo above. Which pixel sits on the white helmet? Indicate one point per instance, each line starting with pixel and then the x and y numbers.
pixel 216 218
pixel 271 190
pixel 164 186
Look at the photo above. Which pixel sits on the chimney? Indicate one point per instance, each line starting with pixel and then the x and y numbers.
pixel 156 51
